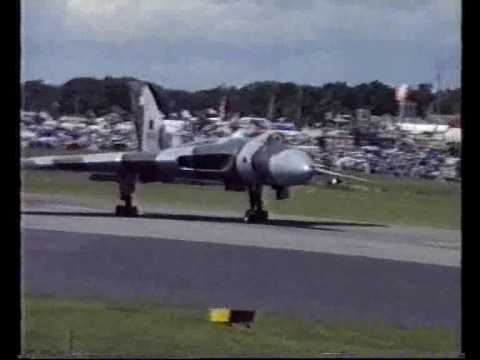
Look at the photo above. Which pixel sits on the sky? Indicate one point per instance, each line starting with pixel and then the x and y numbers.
pixel 199 44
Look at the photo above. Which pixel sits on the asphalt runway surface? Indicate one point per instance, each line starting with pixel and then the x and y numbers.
pixel 317 270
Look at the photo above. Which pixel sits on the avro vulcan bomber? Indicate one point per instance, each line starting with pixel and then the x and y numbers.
pixel 237 163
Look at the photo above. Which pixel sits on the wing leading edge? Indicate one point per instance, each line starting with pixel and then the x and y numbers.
pixel 104 162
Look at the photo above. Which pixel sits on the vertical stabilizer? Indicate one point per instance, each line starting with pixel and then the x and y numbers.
pixel 148 119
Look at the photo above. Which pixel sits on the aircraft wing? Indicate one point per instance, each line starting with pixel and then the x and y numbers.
pixel 323 171
pixel 103 162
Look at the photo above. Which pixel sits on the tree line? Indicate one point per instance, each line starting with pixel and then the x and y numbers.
pixel 304 104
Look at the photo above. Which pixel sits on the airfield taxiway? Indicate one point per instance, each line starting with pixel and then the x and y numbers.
pixel 326 270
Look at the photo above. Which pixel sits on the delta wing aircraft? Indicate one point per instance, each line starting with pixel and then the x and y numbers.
pixel 237 163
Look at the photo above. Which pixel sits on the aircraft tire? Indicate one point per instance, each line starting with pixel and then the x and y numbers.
pixel 248 216
pixel 262 216
pixel 132 211
pixel 253 217
pixel 121 210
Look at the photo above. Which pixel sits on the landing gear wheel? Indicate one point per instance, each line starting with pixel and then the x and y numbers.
pixel 132 211
pixel 262 215
pixel 259 216
pixel 255 214
pixel 248 216
pixel 122 210
pixel 119 210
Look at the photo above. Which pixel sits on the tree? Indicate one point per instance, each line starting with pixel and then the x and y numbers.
pixel 38 96
pixel 449 102
pixel 82 94
pixel 423 97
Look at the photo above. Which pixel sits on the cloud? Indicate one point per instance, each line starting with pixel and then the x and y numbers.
pixel 202 43
pixel 202 72
pixel 259 22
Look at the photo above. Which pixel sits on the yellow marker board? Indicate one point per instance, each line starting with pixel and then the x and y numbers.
pixel 220 315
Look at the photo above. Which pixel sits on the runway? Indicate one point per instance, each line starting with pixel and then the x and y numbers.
pixel 318 270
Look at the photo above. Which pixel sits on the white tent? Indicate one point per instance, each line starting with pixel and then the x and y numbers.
pixel 453 135
pixel 423 128
pixel 27 135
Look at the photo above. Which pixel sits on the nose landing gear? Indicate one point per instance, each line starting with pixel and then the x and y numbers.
pixel 126 210
pixel 256 213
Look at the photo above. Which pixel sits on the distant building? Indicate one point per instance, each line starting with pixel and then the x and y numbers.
pixel 407 109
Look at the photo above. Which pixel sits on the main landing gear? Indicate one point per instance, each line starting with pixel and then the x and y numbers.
pixel 126 210
pixel 256 213
pixel 127 188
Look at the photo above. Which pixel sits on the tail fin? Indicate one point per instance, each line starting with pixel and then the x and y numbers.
pixel 148 119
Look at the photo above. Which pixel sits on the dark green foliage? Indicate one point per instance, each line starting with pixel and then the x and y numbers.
pixel 304 104
pixel 37 96
pixel 449 101
pixel 83 94
pixel 117 93
pixel 423 96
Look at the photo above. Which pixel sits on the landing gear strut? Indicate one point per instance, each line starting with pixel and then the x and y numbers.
pixel 127 188
pixel 256 213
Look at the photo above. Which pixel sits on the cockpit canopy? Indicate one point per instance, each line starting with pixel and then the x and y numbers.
pixel 276 137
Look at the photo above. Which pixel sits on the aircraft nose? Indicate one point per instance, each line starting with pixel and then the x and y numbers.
pixel 291 167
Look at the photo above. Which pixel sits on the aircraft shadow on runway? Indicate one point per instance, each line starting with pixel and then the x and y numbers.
pixel 313 225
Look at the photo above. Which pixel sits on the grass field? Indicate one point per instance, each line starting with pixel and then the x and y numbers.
pixel 53 327
pixel 388 201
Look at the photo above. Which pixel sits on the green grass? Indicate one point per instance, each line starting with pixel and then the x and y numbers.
pixel 53 327
pixel 387 201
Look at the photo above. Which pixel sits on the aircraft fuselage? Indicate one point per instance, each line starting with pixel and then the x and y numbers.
pixel 265 160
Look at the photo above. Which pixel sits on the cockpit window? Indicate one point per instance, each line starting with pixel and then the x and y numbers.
pixel 276 137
